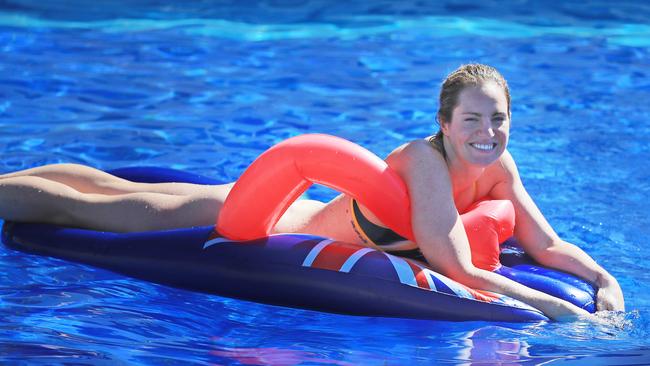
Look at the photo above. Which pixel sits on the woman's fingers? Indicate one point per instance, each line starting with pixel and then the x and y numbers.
pixel 609 299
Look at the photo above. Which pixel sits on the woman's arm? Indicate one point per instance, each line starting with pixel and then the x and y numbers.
pixel 441 236
pixel 539 239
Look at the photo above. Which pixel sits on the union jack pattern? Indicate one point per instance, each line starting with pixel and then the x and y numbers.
pixel 342 257
pixel 345 257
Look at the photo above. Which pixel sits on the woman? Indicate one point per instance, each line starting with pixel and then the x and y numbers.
pixel 465 162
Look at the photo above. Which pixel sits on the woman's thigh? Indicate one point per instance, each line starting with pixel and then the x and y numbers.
pixel 331 220
pixel 298 216
pixel 145 211
pixel 334 221
pixel 163 211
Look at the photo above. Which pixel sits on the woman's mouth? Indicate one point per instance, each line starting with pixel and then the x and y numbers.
pixel 484 147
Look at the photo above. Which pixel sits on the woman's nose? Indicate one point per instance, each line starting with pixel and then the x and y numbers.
pixel 487 128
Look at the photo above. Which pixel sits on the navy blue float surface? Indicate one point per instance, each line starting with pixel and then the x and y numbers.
pixel 292 270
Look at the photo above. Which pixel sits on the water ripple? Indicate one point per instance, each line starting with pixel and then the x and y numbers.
pixel 107 91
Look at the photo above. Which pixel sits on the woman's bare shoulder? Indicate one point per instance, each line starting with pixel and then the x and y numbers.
pixel 422 168
pixel 416 153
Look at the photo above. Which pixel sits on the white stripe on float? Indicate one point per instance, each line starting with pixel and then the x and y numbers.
pixel 215 241
pixel 427 274
pixel 404 271
pixel 354 258
pixel 314 252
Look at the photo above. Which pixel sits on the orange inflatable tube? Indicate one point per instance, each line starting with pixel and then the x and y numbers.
pixel 282 173
pixel 487 224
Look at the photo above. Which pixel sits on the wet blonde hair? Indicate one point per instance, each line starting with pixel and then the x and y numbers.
pixel 469 75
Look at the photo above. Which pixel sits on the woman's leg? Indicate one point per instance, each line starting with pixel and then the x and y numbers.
pixel 90 180
pixel 81 196
pixel 36 199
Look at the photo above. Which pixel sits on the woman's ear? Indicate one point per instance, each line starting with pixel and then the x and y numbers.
pixel 444 126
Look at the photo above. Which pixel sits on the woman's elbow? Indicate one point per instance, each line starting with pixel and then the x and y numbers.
pixel 546 254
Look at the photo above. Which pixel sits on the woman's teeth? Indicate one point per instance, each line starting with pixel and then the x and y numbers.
pixel 485 147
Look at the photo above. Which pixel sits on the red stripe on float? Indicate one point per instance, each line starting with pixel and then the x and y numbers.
pixel 482 295
pixel 334 255
pixel 420 276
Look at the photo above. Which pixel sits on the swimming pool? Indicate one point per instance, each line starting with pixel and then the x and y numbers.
pixel 206 87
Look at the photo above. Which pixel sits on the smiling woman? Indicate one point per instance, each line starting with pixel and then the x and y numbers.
pixel 304 270
pixel 445 176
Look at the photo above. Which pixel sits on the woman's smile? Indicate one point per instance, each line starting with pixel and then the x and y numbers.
pixel 484 147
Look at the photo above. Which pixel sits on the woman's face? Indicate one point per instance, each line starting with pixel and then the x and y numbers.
pixel 479 127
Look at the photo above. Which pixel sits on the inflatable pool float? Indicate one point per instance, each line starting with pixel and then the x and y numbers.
pixel 295 270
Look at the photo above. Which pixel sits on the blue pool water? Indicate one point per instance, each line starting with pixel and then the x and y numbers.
pixel 207 86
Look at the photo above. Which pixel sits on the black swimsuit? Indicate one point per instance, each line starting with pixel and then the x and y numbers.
pixel 382 236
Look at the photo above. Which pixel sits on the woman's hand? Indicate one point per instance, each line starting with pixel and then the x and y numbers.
pixel 610 295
